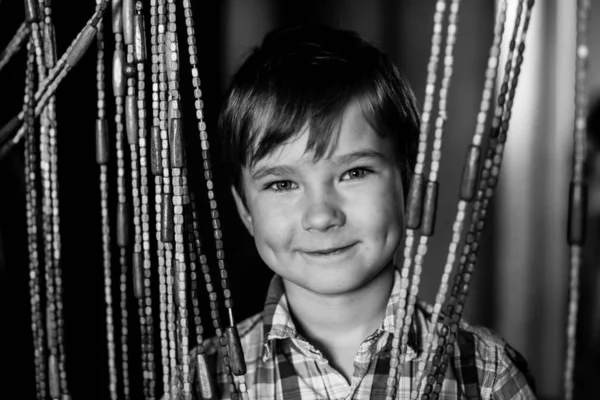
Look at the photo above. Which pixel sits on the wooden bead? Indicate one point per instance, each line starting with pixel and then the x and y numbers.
pixel 414 203
pixel 577 213
pixel 176 144
pixel 10 128
pixel 469 176
pixel 155 150
pixel 205 378
pixel 101 141
pixel 81 46
pixel 139 49
pixel 53 377
pixel 167 234
pixel 122 225
pixel 31 11
pixel 128 16
pixel 131 119
pixel 117 17
pixel 236 354
pixel 118 73
pixel 49 45
pixel 430 208
pixel 138 276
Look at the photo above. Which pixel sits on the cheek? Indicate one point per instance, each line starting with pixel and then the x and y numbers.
pixel 380 209
pixel 273 226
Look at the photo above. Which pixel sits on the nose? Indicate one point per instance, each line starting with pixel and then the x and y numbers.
pixel 323 212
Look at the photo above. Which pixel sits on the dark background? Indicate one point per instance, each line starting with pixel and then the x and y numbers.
pixel 225 30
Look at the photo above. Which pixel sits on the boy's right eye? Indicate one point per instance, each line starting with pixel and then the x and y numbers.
pixel 281 186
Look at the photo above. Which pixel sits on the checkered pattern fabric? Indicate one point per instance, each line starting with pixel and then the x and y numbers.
pixel 283 365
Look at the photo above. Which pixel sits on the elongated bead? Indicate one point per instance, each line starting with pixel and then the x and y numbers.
pixel 167 218
pixel 138 276
pixel 414 203
pixel 176 143
pixel 122 225
pixel 31 11
pixel 82 45
pixel 118 80
pixel 131 118
pixel 139 37
pixel 117 17
pixel 101 141
pixel 53 377
pixel 128 15
pixel 430 208
pixel 236 354
pixel 469 176
pixel 205 378
pixel 155 149
pixel 577 213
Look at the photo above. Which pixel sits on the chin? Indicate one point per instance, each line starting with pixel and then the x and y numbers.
pixel 337 280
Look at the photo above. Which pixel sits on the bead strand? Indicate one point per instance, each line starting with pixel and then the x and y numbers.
pixel 179 174
pixel 432 188
pixel 413 214
pixel 132 129
pixel 102 160
pixel 31 209
pixel 14 45
pixel 213 299
pixel 146 299
pixel 577 190
pixel 49 57
pixel 156 164
pixel 167 203
pixel 68 60
pixel 238 365
pixel 489 179
pixel 462 278
pixel 122 205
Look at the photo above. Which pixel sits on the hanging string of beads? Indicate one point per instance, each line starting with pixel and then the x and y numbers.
pixel 15 44
pixel 156 169
pixel 487 184
pixel 12 133
pixel 166 217
pixel 145 275
pixel 413 214
pixel 37 321
pixel 577 189
pixel 50 268
pixel 431 186
pixel 234 364
pixel 122 223
pixel 50 59
pixel 179 179
pixel 102 158
pixel 132 130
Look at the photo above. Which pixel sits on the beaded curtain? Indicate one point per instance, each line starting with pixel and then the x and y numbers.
pixel 79 179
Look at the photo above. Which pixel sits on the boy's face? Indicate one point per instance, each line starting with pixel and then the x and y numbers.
pixel 328 226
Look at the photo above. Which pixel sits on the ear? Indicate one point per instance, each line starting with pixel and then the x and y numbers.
pixel 243 211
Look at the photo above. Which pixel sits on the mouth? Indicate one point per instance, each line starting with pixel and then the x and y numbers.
pixel 330 251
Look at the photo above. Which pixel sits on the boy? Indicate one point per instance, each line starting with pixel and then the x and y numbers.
pixel 320 132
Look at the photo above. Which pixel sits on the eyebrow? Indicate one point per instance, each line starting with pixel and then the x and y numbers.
pixel 349 158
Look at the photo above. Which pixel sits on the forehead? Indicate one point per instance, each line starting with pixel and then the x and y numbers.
pixel 353 134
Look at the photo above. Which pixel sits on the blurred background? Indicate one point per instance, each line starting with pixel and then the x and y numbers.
pixel 520 287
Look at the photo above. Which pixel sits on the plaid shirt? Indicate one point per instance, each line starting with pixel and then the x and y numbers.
pixel 281 364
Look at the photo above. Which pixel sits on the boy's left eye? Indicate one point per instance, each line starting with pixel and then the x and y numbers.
pixel 356 173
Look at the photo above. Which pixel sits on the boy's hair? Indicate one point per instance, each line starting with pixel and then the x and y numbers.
pixel 306 77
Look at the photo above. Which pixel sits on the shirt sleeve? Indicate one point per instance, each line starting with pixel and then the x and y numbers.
pixel 513 378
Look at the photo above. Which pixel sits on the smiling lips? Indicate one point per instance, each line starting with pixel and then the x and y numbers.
pixel 330 251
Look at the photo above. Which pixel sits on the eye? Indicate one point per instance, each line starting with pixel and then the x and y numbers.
pixel 280 186
pixel 356 173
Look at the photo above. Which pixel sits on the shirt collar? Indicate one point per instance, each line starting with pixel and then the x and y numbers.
pixel 278 323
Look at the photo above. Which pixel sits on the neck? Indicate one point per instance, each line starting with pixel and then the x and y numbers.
pixel 341 319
